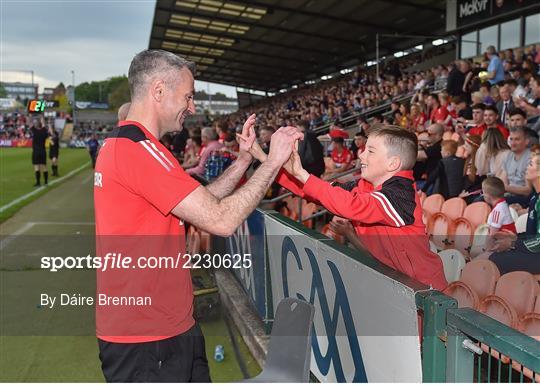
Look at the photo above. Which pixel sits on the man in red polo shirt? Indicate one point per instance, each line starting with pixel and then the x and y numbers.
pixel 144 315
pixel 439 113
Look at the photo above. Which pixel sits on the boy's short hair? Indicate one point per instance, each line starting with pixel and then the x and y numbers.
pixel 479 106
pixel 399 142
pixel 493 186
pixel 492 108
pixel 450 146
pixel 518 111
pixel 338 139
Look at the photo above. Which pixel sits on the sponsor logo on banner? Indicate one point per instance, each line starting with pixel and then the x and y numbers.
pixel 331 313
pixel 473 7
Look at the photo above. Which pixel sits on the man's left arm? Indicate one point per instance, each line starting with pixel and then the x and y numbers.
pixel 519 190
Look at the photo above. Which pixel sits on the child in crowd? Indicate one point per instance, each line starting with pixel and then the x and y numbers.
pixel 500 218
pixel 383 207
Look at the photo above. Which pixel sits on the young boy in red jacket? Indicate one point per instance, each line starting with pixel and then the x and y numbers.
pixel 383 207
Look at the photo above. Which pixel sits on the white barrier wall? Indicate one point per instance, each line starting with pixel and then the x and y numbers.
pixel 366 324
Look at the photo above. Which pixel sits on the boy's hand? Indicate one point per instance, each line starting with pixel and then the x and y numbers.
pixel 341 226
pixel 502 241
pixel 294 165
pixel 248 137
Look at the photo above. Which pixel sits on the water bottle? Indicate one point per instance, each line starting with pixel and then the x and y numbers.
pixel 219 353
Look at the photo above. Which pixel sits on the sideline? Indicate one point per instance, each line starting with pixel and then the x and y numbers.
pixel 38 190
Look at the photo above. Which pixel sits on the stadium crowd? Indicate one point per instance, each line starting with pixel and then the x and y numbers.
pixel 476 124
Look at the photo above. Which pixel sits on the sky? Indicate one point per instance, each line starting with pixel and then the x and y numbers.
pixel 95 39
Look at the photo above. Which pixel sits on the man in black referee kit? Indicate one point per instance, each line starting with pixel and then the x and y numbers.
pixel 39 155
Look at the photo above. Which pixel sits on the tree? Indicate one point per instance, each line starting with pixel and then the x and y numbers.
pixel 120 93
pixel 3 92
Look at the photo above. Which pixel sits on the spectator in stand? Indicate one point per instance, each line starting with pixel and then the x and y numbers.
pixel 492 153
pixel 447 178
pixel 477 122
pixel 404 120
pixel 378 119
pixel 310 150
pixel 192 151
pixel 429 157
pixel 499 218
pixel 359 144
pixel 495 68
pixel 532 107
pixel 518 118
pixel 517 187
pixel 485 91
pixel 462 111
pixel 472 181
pixel 417 118
pixel 341 157
pixel 491 118
pixel 520 252
pixel 209 139
pixel 505 105
pixel 439 113
pixel 456 79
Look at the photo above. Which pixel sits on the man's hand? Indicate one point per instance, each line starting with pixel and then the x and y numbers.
pixel 247 138
pixel 502 241
pixel 282 143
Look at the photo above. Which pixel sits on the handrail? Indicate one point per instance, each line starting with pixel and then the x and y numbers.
pixel 506 340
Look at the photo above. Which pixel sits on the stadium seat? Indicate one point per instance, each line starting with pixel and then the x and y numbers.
pixel 453 208
pixel 289 352
pixel 462 236
pixel 521 223
pixel 514 296
pixel 477 213
pixel 479 241
pixel 453 262
pixel 433 203
pixel 326 230
pixel 477 281
pixel 440 229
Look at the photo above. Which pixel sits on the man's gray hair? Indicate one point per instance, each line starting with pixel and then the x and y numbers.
pixel 210 133
pixel 148 64
pixel 520 129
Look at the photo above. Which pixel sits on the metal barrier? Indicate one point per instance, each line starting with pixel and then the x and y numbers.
pixel 468 362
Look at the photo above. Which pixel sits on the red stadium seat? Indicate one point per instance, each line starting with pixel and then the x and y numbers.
pixel 530 324
pixel 462 236
pixel 432 204
pixel 477 281
pixel 440 230
pixel 453 208
pixel 514 296
pixel 477 213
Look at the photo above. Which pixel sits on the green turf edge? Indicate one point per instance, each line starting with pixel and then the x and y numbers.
pixel 5 215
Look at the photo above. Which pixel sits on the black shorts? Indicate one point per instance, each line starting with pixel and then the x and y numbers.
pixel 53 153
pixel 518 259
pixel 39 157
pixel 177 359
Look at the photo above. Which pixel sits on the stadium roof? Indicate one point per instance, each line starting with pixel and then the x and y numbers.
pixel 272 44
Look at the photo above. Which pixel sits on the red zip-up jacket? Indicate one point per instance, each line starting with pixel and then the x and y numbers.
pixel 387 219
